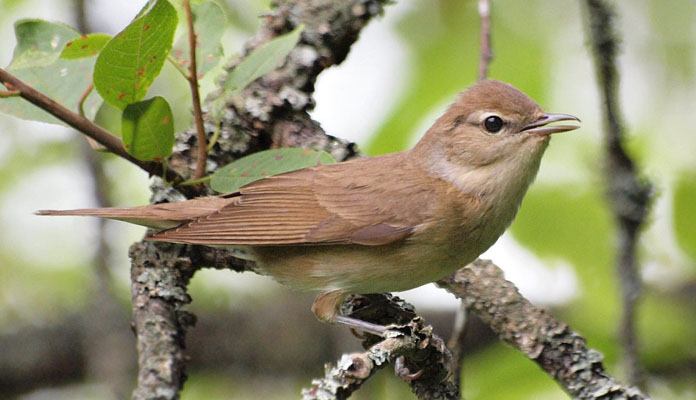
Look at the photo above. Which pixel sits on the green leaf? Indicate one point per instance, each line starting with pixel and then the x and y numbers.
pixel 36 62
pixel 39 42
pixel 147 128
pixel 685 213
pixel 85 46
pixel 264 164
pixel 130 62
pixel 209 24
pixel 258 63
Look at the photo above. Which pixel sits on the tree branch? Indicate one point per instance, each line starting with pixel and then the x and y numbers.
pixel 82 124
pixel 159 277
pixel 192 78
pixel 273 111
pixel 419 357
pixel 558 350
pixel 628 195
pixel 484 10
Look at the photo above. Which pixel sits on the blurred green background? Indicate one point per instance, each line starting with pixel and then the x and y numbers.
pixel 406 67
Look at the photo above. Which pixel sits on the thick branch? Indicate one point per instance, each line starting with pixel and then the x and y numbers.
pixel 82 124
pixel 159 278
pixel 628 195
pixel 558 350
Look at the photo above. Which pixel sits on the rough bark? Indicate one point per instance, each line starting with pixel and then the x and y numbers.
pixel 557 349
pixel 419 357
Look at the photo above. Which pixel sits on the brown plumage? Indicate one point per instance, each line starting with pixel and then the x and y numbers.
pixel 377 224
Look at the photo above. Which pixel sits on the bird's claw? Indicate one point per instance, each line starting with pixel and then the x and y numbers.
pixel 402 371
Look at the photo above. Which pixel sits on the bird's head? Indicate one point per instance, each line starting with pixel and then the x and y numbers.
pixel 492 122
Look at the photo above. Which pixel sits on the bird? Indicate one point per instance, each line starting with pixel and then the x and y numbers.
pixel 376 224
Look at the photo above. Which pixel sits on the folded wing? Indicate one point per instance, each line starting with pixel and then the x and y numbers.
pixel 347 203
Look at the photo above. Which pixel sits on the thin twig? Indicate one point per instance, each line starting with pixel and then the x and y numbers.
pixel 484 9
pixel 550 343
pixel 628 195
pixel 456 341
pixel 202 144
pixel 82 124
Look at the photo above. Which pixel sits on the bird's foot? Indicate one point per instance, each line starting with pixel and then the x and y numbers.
pixel 363 326
pixel 402 371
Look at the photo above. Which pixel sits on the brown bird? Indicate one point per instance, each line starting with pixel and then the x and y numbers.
pixel 379 224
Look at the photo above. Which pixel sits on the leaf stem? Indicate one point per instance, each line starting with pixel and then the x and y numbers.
pixel 193 182
pixel 9 93
pixel 214 138
pixel 83 99
pixel 195 96
pixel 178 66
pixel 81 109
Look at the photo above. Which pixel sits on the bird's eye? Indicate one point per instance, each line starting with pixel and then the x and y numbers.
pixel 493 124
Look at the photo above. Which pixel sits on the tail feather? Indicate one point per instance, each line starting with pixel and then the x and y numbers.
pixel 158 216
pixel 137 215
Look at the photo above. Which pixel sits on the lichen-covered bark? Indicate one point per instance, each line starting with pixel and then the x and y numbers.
pixel 158 293
pixel 419 356
pixel 558 350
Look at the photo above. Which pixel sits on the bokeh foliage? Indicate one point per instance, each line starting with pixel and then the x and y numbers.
pixel 564 217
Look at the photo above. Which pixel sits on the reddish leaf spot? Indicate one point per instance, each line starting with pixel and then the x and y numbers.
pixel 146 27
pixel 141 71
pixel 166 120
pixel 121 96
pixel 244 174
pixel 69 44
pixel 84 46
pixel 278 157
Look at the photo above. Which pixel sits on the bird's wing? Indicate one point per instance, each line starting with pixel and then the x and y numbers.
pixel 346 203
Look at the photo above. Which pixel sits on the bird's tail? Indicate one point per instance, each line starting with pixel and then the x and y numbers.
pixel 135 215
pixel 158 216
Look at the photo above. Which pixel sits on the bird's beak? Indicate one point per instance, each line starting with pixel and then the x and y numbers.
pixel 542 127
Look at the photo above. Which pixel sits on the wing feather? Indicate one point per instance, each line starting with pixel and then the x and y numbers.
pixel 346 203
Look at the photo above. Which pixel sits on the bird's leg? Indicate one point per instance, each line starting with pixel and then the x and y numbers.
pixel 325 308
